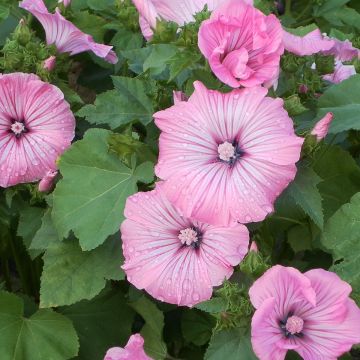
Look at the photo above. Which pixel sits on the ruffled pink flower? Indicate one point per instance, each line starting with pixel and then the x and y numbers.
pixel 341 73
pixel 49 63
pixel 134 350
pixel 309 313
pixel 321 128
pixel 174 258
pixel 343 50
pixel 64 34
pixel 312 43
pixel 178 11
pixel 226 157
pixel 36 126
pixel 242 45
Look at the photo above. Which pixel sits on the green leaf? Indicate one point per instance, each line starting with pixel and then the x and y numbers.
pixel 197 326
pixel 4 12
pixel 101 183
pixel 101 323
pixel 340 177
pixel 153 328
pixel 182 61
pixel 85 22
pixel 159 57
pixel 342 236
pixel 44 335
pixel 302 30
pixel 230 345
pixel 343 100
pixel 128 102
pixel 305 193
pixel 299 238
pixel 100 5
pixel 329 5
pixel 71 275
pixel 46 234
pixel 214 305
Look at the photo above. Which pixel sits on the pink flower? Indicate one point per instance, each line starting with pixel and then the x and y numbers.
pixel 134 350
pixel 242 45
pixel 343 50
pixel 226 157
pixel 49 63
pixel 178 11
pixel 65 2
pixel 64 34
pixel 174 258
pixel 309 313
pixel 312 43
pixel 36 126
pixel 341 73
pixel 322 126
pixel 46 184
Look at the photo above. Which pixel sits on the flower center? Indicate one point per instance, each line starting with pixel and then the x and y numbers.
pixel 18 128
pixel 190 237
pixel 294 325
pixel 229 152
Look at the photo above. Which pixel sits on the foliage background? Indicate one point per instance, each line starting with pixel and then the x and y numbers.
pixel 63 294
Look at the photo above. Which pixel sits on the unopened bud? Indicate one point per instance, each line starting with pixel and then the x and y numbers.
pixel 49 63
pixel 46 184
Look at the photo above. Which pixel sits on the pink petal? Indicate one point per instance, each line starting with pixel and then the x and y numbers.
pixel 49 122
pixel 322 126
pixel 343 50
pixel 287 285
pixel 199 184
pixel 341 73
pixel 157 261
pixel 134 350
pixel 64 34
pixel 311 43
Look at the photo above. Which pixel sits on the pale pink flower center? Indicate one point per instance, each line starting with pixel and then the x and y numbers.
pixel 188 236
pixel 294 325
pixel 17 127
pixel 226 151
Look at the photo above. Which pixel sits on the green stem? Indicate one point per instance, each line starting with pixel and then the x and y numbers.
pixel 19 267
pixel 288 7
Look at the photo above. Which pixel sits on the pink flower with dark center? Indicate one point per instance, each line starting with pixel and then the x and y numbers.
pixel 226 157
pixel 178 11
pixel 134 350
pixel 309 313
pixel 64 34
pixel 242 45
pixel 341 73
pixel 322 126
pixel 36 126
pixel 174 258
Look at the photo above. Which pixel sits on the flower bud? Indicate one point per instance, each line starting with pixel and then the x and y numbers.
pixel 65 2
pixel 322 126
pixel 46 184
pixel 49 63
pixel 22 33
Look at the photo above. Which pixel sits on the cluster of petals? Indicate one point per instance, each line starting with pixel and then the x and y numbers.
pixel 226 157
pixel 321 128
pixel 309 313
pixel 64 34
pixel 36 126
pixel 243 46
pixel 134 350
pixel 174 258
pixel 178 11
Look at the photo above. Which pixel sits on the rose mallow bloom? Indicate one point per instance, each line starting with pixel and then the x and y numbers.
pixel 64 34
pixel 36 126
pixel 321 128
pixel 226 157
pixel 309 313
pixel 174 258
pixel 242 45
pixel 134 350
